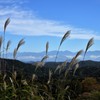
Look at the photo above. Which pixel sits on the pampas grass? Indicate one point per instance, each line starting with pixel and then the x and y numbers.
pixel 14 86
pixel 89 44
pixel 47 46
pixel 6 24
pixel 78 53
pixel 73 62
pixel 50 76
pixel 62 40
pixel 41 63
pixel 8 44
pixel 76 67
pixel 7 47
pixel 5 27
pixel 61 67
pixel 44 58
pixel 20 43
pixel 14 53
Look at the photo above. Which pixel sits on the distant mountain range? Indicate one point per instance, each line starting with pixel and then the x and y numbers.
pixel 62 56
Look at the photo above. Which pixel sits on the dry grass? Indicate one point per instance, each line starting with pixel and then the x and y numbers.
pixel 21 42
pixel 89 44
pixel 61 67
pixel 47 47
pixel 6 24
pixel 8 44
pixel 50 76
pixel 73 62
pixel 76 67
pixel 62 40
pixel 7 47
pixel 33 90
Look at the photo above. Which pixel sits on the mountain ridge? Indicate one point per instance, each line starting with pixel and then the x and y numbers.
pixel 62 56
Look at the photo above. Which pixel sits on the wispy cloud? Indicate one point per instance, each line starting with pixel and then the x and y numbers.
pixel 25 22
pixel 12 2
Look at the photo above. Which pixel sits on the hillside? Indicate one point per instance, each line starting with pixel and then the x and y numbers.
pixel 86 68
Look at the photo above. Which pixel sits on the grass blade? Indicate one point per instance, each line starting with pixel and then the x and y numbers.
pixel 50 75
pixel 76 67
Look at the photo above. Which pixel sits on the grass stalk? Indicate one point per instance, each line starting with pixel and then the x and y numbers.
pixel 89 44
pixel 62 40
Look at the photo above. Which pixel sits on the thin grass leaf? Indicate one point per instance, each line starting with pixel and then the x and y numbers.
pixel 6 24
pixel 8 44
pixel 89 44
pixel 34 76
pixel 21 42
pixel 4 77
pixel 62 40
pixel 50 75
pixel 69 97
pixel 5 85
pixel 47 46
pixel 11 80
pixel 44 58
pixel 14 75
pixel 76 67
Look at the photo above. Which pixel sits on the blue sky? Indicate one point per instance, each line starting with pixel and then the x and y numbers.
pixel 39 21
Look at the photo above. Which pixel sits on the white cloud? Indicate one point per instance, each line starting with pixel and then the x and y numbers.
pixel 26 57
pixel 52 56
pixel 94 56
pixel 25 22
